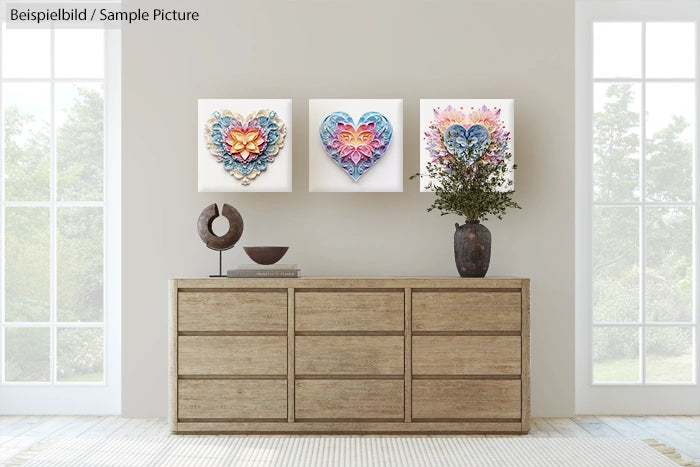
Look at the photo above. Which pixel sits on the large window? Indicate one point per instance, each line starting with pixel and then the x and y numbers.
pixel 59 219
pixel 637 202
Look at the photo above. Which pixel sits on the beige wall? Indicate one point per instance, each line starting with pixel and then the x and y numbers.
pixel 356 49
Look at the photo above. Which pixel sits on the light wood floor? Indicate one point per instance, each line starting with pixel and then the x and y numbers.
pixel 17 433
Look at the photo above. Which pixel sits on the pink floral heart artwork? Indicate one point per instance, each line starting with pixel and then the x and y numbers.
pixel 355 147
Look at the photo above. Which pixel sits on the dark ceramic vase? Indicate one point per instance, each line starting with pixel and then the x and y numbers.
pixel 472 249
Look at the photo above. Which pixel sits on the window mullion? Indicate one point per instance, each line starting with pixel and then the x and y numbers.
pixel 696 231
pixel 642 211
pixel 2 221
pixel 52 216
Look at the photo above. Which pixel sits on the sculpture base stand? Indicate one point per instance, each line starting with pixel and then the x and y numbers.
pixel 220 271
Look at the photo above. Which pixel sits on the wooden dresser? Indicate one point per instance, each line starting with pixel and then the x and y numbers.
pixel 350 355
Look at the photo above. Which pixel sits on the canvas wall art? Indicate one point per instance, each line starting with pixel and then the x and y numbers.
pixel 472 128
pixel 244 145
pixel 356 145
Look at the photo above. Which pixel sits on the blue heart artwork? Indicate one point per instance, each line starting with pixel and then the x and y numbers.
pixel 467 144
pixel 355 148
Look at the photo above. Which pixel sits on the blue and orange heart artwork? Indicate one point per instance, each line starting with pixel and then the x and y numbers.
pixel 245 145
pixel 356 148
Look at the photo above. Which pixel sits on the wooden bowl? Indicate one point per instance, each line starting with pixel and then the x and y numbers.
pixel 265 254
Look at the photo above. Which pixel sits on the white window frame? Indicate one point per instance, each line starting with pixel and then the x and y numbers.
pixel 101 398
pixel 623 398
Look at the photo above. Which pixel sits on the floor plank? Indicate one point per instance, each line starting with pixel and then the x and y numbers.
pixel 36 433
pixel 665 433
pixel 568 428
pixel 6 420
pixel 684 423
pixel 539 428
pixel 78 427
pixel 105 427
pixel 19 426
pixel 597 428
pixel 623 426
pixel 133 428
pixel 159 429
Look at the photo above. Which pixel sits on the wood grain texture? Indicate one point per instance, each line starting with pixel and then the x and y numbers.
pixel 349 399
pixel 341 427
pixel 349 311
pixel 466 311
pixel 407 355
pixel 232 311
pixel 291 319
pixel 525 362
pixel 172 354
pixel 464 355
pixel 230 355
pixel 352 283
pixel 354 352
pixel 347 355
pixel 213 399
pixel 455 399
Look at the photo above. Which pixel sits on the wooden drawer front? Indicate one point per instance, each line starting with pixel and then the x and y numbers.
pixel 349 355
pixel 460 399
pixel 232 311
pixel 232 355
pixel 466 311
pixel 466 355
pixel 348 311
pixel 233 399
pixel 349 399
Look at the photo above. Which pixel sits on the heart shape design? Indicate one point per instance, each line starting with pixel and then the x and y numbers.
pixel 355 148
pixel 245 145
pixel 467 143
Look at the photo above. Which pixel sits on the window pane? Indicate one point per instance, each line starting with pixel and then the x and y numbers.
pixel 615 264
pixel 80 354
pixel 79 241
pixel 79 145
pixel 27 354
pixel 616 148
pixel 669 266
pixel 27 264
pixel 89 63
pixel 27 141
pixel 670 50
pixel 616 355
pixel 669 355
pixel 26 53
pixel 617 50
pixel 670 141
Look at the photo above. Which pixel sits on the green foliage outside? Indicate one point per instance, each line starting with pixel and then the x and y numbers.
pixel 668 257
pixel 79 241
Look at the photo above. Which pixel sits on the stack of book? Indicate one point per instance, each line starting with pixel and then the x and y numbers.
pixel 262 270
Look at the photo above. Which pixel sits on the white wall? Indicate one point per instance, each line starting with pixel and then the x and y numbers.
pixel 361 49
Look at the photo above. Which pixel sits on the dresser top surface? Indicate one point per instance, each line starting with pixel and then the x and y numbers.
pixel 354 282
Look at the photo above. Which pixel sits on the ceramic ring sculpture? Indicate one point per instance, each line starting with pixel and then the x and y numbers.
pixel 235 227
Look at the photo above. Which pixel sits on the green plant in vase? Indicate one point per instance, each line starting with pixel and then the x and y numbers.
pixel 470 172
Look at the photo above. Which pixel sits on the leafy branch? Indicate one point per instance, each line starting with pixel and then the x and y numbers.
pixel 474 191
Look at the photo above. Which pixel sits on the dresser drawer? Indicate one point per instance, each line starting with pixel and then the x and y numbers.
pixel 349 311
pixel 466 399
pixel 232 355
pixel 466 311
pixel 232 399
pixel 466 355
pixel 349 355
pixel 232 311
pixel 349 399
